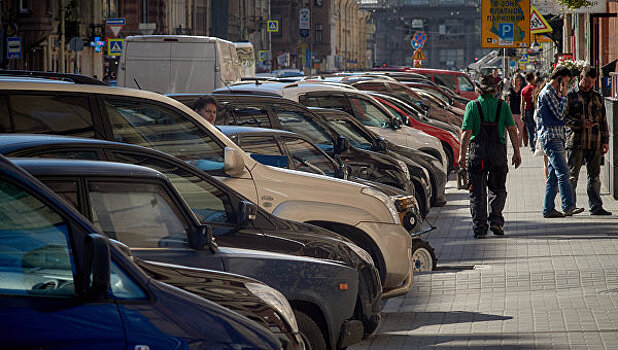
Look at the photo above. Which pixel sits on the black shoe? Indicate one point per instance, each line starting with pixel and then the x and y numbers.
pixel 600 211
pixel 553 214
pixel 573 210
pixel 496 229
pixel 480 235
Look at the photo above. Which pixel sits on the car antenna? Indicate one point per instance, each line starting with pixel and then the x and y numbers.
pixel 136 83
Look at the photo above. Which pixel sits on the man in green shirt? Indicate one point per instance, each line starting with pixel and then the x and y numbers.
pixel 484 124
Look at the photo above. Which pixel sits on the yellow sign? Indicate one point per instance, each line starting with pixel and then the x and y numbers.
pixel 505 23
pixel 273 25
pixel 417 64
pixel 419 55
pixel 538 24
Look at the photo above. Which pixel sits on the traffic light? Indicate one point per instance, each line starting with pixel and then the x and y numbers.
pixel 476 59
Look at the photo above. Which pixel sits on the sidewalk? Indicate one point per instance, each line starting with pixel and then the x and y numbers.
pixel 549 283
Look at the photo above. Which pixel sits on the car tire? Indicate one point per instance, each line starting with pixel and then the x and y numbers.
pixel 423 256
pixel 310 332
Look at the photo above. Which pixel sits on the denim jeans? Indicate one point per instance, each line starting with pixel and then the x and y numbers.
pixel 559 175
pixel 531 127
pixel 592 158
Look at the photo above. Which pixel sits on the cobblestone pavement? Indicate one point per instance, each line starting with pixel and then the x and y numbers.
pixel 549 283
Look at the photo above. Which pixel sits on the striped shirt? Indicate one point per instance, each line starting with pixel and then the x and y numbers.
pixel 549 97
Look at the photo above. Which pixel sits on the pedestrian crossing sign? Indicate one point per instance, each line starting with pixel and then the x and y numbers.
pixel 273 26
pixel 114 47
pixel 524 58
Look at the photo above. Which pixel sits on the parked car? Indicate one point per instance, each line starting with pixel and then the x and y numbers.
pixel 213 203
pixel 358 104
pixel 63 285
pixel 152 120
pixel 140 207
pixel 459 82
pixel 280 113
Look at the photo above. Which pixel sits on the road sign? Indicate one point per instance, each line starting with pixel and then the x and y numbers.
pixel 13 48
pixel 263 55
pixel 417 64
pixel 505 23
pixel 524 58
pixel 538 24
pixel 415 44
pixel 273 26
pixel 114 47
pixel 419 55
pixel 97 43
pixel 116 24
pixel 76 44
pixel 420 38
pixel 304 23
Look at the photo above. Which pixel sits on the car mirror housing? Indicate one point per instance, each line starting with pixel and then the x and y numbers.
pixel 202 237
pixel 396 123
pixel 247 211
pixel 98 256
pixel 341 144
pixel 234 162
pixel 381 145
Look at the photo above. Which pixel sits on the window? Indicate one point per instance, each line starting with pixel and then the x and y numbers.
pixel 396 112
pixel 87 155
pixel 251 117
pixel 447 80
pixel 464 83
pixel 65 189
pixel 34 250
pixel 318 32
pixel 139 215
pixel 334 102
pixel 122 286
pixel 368 114
pixel 308 158
pixel 208 202
pixel 353 133
pixel 266 145
pixel 371 86
pixel 35 114
pixel 152 126
pixel 304 124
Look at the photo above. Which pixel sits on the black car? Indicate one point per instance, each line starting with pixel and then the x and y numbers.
pixel 284 114
pixel 140 207
pixel 285 149
pixel 63 285
pixel 202 192
pixel 360 137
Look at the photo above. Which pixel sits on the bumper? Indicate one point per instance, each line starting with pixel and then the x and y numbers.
pixel 395 245
pixel 351 333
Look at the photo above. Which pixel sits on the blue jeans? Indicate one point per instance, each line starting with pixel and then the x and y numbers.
pixel 559 174
pixel 530 126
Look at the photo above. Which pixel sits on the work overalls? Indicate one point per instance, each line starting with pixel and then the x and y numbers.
pixel 487 169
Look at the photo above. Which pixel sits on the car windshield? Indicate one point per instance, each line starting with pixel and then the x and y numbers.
pixel 353 133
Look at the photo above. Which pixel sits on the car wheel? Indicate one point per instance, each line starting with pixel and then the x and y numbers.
pixel 423 256
pixel 310 332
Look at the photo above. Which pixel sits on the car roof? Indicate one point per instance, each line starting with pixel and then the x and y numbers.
pixel 233 129
pixel 441 71
pixel 275 88
pixel 15 142
pixel 77 167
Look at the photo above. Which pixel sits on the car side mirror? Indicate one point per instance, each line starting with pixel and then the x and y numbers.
pixel 341 144
pixel 396 123
pixel 247 211
pixel 98 256
pixel 234 164
pixel 202 237
pixel 381 145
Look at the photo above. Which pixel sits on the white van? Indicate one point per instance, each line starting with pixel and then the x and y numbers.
pixel 177 63
pixel 246 59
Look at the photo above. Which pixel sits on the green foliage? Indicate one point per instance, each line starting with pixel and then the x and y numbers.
pixel 574 4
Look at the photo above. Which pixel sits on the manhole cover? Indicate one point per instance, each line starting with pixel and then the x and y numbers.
pixel 609 292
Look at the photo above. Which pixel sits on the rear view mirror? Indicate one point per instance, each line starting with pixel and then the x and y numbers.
pixel 341 144
pixel 202 237
pixel 272 160
pixel 234 162
pixel 396 123
pixel 98 255
pixel 247 211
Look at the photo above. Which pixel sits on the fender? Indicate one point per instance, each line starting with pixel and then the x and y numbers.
pixel 304 211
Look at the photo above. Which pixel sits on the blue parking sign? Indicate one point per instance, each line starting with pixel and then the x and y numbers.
pixel 506 31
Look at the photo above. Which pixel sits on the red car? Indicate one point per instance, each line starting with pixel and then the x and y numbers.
pixel 450 143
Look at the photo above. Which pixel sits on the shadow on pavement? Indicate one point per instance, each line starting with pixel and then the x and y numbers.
pixel 463 341
pixel 405 321
pixel 562 227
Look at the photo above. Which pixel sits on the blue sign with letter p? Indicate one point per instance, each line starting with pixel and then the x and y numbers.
pixel 506 31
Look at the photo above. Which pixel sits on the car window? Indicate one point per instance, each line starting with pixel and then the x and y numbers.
pixel 145 124
pixel 266 145
pixel 76 154
pixel 304 124
pixel 67 189
pixel 368 114
pixel 464 83
pixel 334 102
pixel 353 133
pixel 370 86
pixel 251 116
pixel 35 114
pixel 447 80
pixel 397 113
pixel 122 286
pixel 138 215
pixel 306 157
pixel 34 246
pixel 207 202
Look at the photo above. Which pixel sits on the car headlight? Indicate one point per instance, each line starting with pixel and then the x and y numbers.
pixel 276 300
pixel 362 253
pixel 382 197
pixel 404 168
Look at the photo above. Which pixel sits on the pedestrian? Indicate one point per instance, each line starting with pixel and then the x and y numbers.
pixel 514 101
pixel 497 82
pixel 540 84
pixel 527 109
pixel 551 134
pixel 206 106
pixel 587 136
pixel 484 124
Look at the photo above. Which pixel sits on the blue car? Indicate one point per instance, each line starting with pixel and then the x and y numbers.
pixel 63 286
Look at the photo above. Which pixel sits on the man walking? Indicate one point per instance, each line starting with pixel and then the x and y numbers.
pixel 527 108
pixel 551 133
pixel 484 124
pixel 587 136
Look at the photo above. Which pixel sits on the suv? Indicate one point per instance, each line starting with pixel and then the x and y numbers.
pixel 58 275
pixel 358 104
pixel 144 118
pixel 140 207
pixel 454 80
